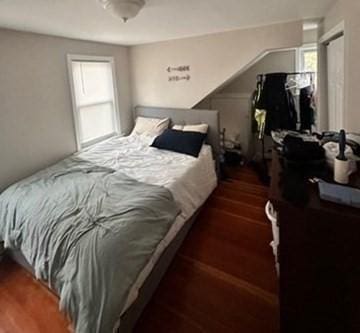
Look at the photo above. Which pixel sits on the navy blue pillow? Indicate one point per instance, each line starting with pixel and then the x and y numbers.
pixel 188 143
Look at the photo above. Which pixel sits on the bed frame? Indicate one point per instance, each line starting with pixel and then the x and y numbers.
pixel 178 116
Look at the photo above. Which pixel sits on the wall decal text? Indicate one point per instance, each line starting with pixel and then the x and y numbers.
pixel 176 78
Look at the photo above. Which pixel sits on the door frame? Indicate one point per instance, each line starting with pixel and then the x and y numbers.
pixel 335 32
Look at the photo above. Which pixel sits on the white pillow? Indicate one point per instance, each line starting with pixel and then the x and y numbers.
pixel 150 126
pixel 178 127
pixel 201 128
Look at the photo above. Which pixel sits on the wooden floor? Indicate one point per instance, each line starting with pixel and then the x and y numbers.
pixel 222 280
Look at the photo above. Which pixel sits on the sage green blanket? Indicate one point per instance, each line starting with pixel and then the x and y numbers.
pixel 88 231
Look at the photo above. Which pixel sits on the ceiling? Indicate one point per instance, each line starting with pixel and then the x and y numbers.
pixel 159 20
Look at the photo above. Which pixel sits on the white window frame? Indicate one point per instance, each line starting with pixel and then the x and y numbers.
pixel 87 58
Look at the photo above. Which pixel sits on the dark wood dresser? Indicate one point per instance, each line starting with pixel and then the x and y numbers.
pixel 319 256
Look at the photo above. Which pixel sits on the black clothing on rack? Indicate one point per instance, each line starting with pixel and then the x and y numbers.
pixel 273 108
pixel 278 102
pixel 306 108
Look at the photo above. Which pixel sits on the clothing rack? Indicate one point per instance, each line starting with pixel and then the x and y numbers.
pixel 262 167
pixel 260 77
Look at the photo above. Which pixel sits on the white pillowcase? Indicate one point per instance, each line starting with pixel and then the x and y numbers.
pixel 178 127
pixel 201 128
pixel 150 126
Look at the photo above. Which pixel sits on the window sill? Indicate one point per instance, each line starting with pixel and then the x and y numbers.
pixel 93 142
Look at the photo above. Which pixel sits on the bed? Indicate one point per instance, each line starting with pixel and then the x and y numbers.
pixel 189 180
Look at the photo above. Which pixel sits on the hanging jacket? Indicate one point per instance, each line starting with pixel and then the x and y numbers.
pixel 306 108
pixel 278 102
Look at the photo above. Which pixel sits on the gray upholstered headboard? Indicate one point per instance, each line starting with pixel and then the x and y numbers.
pixel 188 117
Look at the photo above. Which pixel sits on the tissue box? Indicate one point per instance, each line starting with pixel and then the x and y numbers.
pixel 343 195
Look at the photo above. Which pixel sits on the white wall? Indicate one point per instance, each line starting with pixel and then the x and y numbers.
pixel 36 121
pixel 334 16
pixel 234 116
pixel 349 12
pixel 281 61
pixel 310 36
pixel 214 59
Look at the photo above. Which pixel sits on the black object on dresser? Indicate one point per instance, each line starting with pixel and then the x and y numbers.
pixel 319 255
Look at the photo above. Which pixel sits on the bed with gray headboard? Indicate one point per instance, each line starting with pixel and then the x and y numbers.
pixel 179 117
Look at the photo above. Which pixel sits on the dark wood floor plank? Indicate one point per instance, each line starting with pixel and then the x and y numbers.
pixel 238 307
pixel 245 175
pixel 237 208
pixel 247 263
pixel 160 318
pixel 251 199
pixel 242 186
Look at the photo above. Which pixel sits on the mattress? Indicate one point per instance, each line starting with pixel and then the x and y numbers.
pixel 191 180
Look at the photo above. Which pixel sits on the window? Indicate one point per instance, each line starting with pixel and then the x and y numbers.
pixel 307 60
pixel 94 98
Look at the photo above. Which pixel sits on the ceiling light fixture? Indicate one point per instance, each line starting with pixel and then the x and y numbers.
pixel 126 9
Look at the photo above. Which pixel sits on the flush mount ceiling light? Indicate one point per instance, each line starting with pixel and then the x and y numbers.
pixel 126 9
